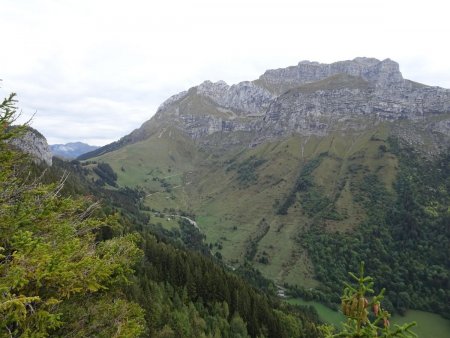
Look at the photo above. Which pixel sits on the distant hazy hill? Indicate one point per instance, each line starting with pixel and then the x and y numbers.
pixel 71 150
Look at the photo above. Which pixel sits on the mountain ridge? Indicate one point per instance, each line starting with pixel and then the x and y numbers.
pixel 310 98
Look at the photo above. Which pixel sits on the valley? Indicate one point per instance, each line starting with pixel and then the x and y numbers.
pixel 304 179
pixel 249 203
pixel 231 194
pixel 224 169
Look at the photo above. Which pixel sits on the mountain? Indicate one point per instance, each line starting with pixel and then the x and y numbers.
pixel 71 150
pixel 310 98
pixel 35 144
pixel 303 173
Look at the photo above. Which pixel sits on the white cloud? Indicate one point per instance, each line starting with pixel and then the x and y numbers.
pixel 94 69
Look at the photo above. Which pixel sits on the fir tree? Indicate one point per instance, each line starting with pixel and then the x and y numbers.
pixel 54 277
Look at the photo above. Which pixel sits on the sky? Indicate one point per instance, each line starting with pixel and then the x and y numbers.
pixel 94 70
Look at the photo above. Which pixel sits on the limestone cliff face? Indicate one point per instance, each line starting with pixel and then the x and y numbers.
pixel 34 144
pixel 384 73
pixel 311 98
pixel 245 98
pixel 326 105
pixel 213 107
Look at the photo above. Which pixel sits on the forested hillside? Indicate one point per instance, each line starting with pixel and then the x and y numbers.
pixel 303 207
pixel 405 239
pixel 78 259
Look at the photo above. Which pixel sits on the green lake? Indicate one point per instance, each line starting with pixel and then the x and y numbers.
pixel 428 324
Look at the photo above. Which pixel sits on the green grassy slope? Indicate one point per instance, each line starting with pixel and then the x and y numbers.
pixel 235 194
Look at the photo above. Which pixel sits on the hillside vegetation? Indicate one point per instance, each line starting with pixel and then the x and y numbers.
pixel 303 206
pixel 72 267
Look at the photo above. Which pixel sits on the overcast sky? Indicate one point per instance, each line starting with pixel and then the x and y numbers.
pixel 94 70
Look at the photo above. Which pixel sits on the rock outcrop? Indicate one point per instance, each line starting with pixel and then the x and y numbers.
pixel 384 73
pixel 35 144
pixel 325 105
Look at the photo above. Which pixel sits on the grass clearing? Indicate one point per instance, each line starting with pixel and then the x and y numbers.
pixel 325 313
pixel 428 324
pixel 174 173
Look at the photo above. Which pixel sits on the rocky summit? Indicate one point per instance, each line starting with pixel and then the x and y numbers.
pixel 311 99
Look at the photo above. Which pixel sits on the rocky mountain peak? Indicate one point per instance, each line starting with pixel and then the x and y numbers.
pixel 310 98
pixel 366 61
pixel 381 73
pixel 254 97
pixel 384 74
pixel 217 91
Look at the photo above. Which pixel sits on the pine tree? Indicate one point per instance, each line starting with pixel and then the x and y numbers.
pixel 365 317
pixel 54 277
